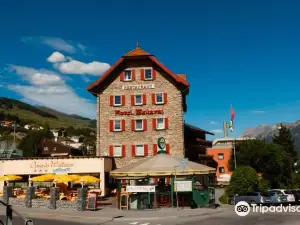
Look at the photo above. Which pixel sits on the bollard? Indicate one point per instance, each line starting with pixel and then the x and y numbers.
pixel 30 194
pixel 54 196
pixel 7 193
pixel 82 197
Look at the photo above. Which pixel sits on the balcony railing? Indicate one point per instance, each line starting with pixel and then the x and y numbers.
pixel 9 215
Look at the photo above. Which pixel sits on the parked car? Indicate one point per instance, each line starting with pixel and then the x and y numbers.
pixel 258 198
pixel 296 193
pixel 289 195
pixel 277 197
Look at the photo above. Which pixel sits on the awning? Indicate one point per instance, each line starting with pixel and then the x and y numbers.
pixel 161 165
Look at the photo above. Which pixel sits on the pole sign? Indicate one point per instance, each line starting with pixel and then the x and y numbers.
pixel 161 142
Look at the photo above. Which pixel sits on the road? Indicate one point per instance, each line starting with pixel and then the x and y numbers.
pixel 224 218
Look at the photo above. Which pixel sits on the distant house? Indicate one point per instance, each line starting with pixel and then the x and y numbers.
pixel 27 127
pixel 76 139
pixel 55 133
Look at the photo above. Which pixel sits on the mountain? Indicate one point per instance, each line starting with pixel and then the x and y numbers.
pixel 267 132
pixel 41 115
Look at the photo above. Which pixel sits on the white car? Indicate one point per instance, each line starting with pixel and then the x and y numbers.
pixel 289 196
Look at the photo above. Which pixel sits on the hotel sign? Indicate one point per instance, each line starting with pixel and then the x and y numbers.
pixel 52 166
pixel 133 189
pixel 138 87
pixel 139 112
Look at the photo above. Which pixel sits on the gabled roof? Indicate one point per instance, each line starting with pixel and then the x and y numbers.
pixel 136 53
pixel 197 129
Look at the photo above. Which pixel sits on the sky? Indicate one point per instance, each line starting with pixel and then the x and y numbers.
pixel 240 53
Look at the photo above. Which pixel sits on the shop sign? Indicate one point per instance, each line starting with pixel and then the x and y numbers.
pixel 52 166
pixel 161 142
pixel 183 186
pixel 139 112
pixel 133 189
pixel 138 87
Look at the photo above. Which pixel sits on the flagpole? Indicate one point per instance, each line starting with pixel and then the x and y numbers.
pixel 234 156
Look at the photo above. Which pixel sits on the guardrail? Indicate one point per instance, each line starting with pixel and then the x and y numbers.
pixel 9 215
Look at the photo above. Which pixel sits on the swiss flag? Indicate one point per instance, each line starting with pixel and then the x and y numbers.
pixel 232 113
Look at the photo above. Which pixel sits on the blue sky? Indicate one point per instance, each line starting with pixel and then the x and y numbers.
pixel 244 53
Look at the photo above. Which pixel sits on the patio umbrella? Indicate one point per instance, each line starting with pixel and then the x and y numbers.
pixel 86 179
pixel 44 178
pixel 64 178
pixel 10 178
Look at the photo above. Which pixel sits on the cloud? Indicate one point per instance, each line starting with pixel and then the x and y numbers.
pixel 257 111
pixel 72 66
pixel 49 89
pixel 56 43
pixel 218 131
pixel 212 122
pixel 56 57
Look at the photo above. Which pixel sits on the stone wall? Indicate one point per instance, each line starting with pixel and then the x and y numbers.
pixel 173 110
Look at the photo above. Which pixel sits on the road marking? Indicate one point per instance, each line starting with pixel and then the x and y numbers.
pixel 133 223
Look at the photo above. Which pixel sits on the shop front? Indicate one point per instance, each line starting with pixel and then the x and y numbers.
pixel 29 168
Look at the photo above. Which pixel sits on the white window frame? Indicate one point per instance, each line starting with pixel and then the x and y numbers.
pixel 164 124
pixel 219 154
pixel 46 149
pixel 136 150
pixel 151 73
pixel 120 125
pixel 135 103
pixel 115 100
pixel 125 75
pixel 159 103
pixel 117 146
pixel 136 125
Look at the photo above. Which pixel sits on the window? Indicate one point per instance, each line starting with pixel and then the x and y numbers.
pixel 127 75
pixel 54 149
pixel 148 74
pixel 159 98
pixel 46 148
pixel 117 125
pixel 117 100
pixel 220 155
pixel 221 170
pixel 139 125
pixel 140 151
pixel 118 151
pixel 138 100
pixel 160 124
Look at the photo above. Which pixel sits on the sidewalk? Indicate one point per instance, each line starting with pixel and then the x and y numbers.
pixel 109 214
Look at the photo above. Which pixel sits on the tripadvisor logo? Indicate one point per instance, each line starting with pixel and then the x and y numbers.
pixel 242 208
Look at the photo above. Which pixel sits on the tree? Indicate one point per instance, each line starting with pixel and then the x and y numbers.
pixel 244 179
pixel 30 143
pixel 285 139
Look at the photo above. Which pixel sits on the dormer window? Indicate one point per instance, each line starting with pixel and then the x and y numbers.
pixel 148 74
pixel 127 75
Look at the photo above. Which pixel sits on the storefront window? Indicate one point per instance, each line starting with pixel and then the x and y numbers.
pixel 159 98
pixel 160 123
pixel 118 150
pixel 140 150
pixel 117 125
pixel 138 100
pixel 139 124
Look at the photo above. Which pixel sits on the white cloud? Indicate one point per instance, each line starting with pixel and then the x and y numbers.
pixel 56 57
pixel 218 131
pixel 56 43
pixel 49 89
pixel 213 122
pixel 257 111
pixel 72 66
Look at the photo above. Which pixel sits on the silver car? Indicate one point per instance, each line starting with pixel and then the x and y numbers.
pixel 258 198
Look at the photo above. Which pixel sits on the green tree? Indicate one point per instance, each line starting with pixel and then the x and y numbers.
pixel 244 179
pixel 31 142
pixel 263 185
pixel 285 139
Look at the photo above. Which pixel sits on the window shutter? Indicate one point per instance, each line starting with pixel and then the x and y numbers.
pixel 132 125
pixel 145 125
pixel 123 150
pixel 154 123
pixel 144 99
pixel 111 100
pixel 146 150
pixel 132 99
pixel 153 74
pixel 153 99
pixel 133 74
pixel 165 98
pixel 122 76
pixel 154 149
pixel 133 150
pixel 168 149
pixel 111 125
pixel 111 150
pixel 123 125
pixel 142 74
pixel 123 100
pixel 166 123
